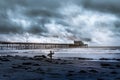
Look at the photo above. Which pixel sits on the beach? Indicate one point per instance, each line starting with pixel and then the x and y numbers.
pixel 41 68
pixel 67 64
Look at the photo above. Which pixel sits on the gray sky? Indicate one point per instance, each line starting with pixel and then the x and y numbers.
pixel 96 22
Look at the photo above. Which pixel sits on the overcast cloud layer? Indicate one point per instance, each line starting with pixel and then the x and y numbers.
pixel 96 22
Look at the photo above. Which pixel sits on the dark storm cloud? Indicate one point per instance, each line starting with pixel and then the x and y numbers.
pixel 33 8
pixel 35 29
pixel 42 13
pixel 110 6
pixel 6 27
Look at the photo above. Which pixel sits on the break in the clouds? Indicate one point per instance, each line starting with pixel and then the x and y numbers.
pixel 96 22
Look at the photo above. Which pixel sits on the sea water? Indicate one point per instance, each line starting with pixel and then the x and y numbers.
pixel 94 53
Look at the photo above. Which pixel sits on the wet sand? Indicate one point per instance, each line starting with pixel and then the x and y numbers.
pixel 41 68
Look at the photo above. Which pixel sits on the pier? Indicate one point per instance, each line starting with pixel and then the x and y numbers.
pixel 28 45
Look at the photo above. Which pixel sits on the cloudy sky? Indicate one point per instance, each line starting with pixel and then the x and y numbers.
pixel 96 22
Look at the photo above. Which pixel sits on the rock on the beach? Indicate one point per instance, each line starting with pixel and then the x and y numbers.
pixel 82 71
pixel 4 59
pixel 26 63
pixel 93 71
pixel 114 72
pixel 105 64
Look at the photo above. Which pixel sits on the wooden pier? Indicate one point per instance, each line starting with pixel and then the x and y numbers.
pixel 26 45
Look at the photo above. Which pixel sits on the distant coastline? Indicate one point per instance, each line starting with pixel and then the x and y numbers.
pixel 111 47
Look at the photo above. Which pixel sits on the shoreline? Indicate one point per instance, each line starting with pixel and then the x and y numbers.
pixel 41 68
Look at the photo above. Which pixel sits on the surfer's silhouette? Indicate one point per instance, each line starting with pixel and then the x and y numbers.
pixel 50 55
